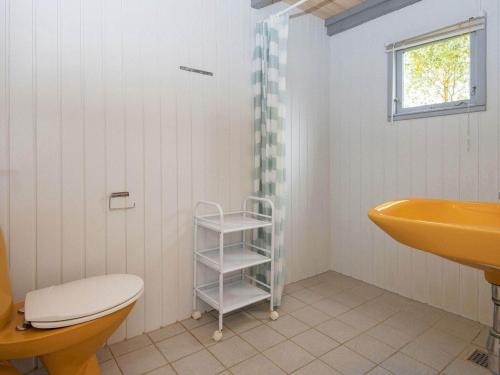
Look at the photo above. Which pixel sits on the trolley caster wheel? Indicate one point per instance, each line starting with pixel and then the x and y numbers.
pixel 196 315
pixel 274 315
pixel 217 336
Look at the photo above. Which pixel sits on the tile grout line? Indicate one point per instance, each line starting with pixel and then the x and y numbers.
pixel 266 323
pixel 313 327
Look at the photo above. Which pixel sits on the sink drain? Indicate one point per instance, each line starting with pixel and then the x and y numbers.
pixel 479 358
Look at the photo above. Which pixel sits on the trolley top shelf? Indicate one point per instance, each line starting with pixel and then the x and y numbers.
pixel 234 221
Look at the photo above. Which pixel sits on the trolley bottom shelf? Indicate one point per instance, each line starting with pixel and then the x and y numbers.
pixel 237 294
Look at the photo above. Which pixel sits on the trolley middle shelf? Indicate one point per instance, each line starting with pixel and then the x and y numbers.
pixel 236 257
pixel 237 294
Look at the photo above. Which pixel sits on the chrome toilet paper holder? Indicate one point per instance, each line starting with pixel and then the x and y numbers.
pixel 120 194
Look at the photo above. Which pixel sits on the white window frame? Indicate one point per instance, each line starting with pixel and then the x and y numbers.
pixel 476 27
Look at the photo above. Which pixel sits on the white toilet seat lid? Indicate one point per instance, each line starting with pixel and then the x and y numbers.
pixel 84 298
pixel 72 322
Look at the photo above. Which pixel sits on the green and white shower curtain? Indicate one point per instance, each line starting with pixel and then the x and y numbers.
pixel 269 83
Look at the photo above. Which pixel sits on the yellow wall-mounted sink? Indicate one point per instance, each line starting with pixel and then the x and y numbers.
pixel 465 232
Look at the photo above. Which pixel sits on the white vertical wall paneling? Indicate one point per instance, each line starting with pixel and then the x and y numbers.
pixel 22 148
pixel 488 164
pixel 72 142
pixel 303 124
pixel 134 20
pixel 239 65
pixel 217 103
pixel 378 183
pixel 419 188
pixel 4 121
pixel 246 113
pixel 308 211
pixel 316 150
pixel 335 164
pixel 468 191
pixel 320 150
pixel 217 111
pixel 344 191
pixel 184 167
pixel 224 98
pixel 113 75
pixel 48 130
pixel 434 184
pixel 451 164
pixel 293 179
pixel 390 187
pixel 95 139
pixel 404 284
pixel 366 143
pixel 95 103
pixel 377 167
pixel 152 169
pixel 454 157
pixel 169 80
pixel 204 113
pixel 354 199
pixel 115 140
pixel 298 123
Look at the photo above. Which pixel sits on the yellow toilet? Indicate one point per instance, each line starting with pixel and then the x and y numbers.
pixel 65 324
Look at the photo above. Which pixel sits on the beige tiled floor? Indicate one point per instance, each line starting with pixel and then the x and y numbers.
pixel 329 324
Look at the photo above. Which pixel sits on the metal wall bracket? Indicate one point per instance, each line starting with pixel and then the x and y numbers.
pixel 23 326
pixel 194 70
pixel 120 194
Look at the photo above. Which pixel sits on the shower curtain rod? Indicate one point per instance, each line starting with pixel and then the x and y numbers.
pixel 291 7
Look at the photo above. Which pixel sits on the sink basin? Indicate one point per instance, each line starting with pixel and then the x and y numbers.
pixel 465 232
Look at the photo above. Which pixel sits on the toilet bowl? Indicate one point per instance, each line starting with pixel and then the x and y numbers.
pixel 64 325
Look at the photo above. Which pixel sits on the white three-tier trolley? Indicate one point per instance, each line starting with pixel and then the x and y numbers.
pixel 235 287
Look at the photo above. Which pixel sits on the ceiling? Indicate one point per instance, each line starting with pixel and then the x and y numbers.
pixel 326 8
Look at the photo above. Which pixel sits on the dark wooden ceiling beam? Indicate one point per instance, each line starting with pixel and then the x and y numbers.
pixel 364 12
pixel 258 4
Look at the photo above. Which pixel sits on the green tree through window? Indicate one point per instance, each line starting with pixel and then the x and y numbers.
pixel 437 72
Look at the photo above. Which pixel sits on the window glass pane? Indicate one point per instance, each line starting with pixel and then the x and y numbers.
pixel 437 72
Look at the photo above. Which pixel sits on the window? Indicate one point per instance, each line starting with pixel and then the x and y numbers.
pixel 439 73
